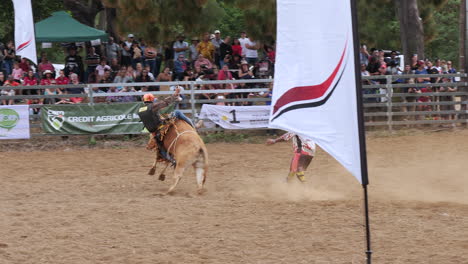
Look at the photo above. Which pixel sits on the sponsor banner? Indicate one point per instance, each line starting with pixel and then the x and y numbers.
pixel 317 100
pixel 235 117
pixel 91 119
pixel 25 39
pixel 14 122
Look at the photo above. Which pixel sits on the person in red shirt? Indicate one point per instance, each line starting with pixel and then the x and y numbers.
pixel 24 65
pixel 47 80
pixel 236 48
pixel 62 80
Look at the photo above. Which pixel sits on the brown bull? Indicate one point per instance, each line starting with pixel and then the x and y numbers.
pixel 185 145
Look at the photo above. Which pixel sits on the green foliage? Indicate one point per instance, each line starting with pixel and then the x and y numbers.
pixel 41 10
pixel 233 21
pixel 445 43
pixel 224 137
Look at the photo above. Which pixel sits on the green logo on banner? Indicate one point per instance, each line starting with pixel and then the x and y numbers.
pixel 8 118
pixel 56 118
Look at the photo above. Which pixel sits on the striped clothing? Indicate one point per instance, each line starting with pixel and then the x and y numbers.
pixel 300 144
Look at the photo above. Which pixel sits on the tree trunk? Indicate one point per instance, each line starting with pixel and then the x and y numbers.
pixel 111 18
pixel 462 45
pixel 84 11
pixel 411 28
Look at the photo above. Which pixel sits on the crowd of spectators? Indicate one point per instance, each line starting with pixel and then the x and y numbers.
pixel 133 61
pixel 377 62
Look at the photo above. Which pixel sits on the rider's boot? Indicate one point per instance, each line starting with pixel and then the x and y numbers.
pixel 300 175
pixel 290 176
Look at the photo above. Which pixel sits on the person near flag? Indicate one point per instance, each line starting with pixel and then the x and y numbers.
pixel 304 152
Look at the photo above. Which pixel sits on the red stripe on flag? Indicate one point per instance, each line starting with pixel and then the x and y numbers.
pixel 308 92
pixel 20 47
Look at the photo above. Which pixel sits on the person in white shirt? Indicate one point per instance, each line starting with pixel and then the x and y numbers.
pixel 242 40
pixel 251 53
pixel 180 46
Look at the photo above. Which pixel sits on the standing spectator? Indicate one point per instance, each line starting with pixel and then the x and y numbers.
pixel 251 53
pixel 236 48
pixel 448 98
pixel 217 44
pixel 180 47
pixel 9 56
pixel 73 62
pixel 373 66
pixel 206 48
pixel 193 49
pixel 414 62
pixel 364 55
pixel 225 49
pixel 450 67
pixel 243 40
pixel 112 50
pixel 150 58
pixel 422 70
pixel 180 66
pixel 92 60
pixel 137 54
pixel 126 46
pixel 45 65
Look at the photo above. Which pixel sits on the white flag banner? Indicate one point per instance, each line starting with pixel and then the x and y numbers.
pixel 314 91
pixel 14 122
pixel 235 117
pixel 25 39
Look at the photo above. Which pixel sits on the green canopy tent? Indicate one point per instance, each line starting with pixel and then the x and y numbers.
pixel 61 27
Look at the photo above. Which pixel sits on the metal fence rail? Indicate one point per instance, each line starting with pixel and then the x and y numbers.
pixel 387 104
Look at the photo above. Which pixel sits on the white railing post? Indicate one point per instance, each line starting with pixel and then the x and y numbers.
pixel 90 94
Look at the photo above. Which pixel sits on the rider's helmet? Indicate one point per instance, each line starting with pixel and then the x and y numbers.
pixel 148 97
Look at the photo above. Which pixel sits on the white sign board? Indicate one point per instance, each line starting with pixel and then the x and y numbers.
pixel 14 122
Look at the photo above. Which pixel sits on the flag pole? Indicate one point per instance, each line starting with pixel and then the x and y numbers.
pixel 362 132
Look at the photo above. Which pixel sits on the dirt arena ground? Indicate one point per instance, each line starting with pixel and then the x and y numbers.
pixel 98 205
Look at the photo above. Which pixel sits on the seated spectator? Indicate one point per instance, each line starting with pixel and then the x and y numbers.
pixel 144 77
pixel 106 78
pixel 101 68
pixel 30 80
pixel 203 63
pixel 138 70
pixel 113 98
pixel 245 72
pixel 2 78
pixel 24 65
pixel 98 99
pixel 224 73
pixel 51 91
pixel 164 76
pixel 74 79
pixel 17 73
pixel 6 91
pixel 122 76
pixel 180 66
pixel 62 80
pixel 127 98
pixel 130 74
pixel 47 79
pixel 150 74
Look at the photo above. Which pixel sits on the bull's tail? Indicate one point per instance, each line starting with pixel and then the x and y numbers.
pixel 201 167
